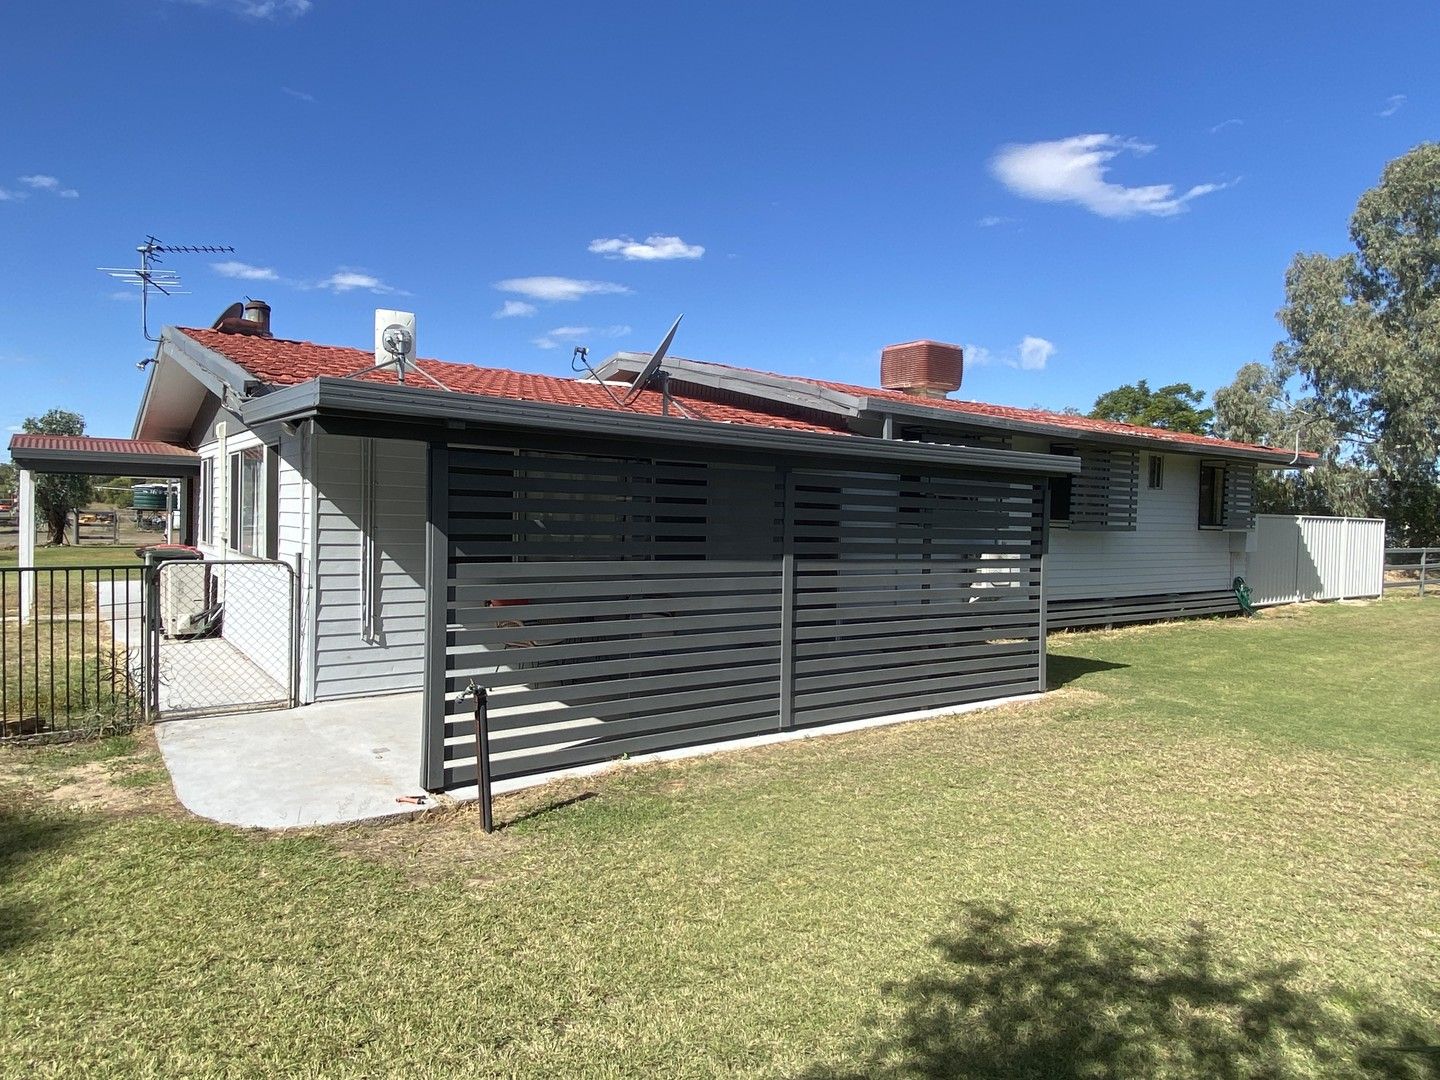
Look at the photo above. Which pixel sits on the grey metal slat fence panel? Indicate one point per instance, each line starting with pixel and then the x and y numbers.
pixel 608 605
pixel 933 602
pixel 613 605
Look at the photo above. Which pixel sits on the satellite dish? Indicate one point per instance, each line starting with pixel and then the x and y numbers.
pixel 395 340
pixel 234 311
pixel 647 373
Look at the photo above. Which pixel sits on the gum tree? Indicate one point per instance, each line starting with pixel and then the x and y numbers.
pixel 1363 347
pixel 57 495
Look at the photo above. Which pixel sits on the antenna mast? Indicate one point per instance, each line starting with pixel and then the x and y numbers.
pixel 149 275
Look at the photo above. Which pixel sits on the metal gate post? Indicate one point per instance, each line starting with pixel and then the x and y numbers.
pixel 149 640
pixel 787 601
pixel 437 597
pixel 1042 676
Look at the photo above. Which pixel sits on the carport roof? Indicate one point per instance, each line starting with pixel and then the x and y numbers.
pixel 102 457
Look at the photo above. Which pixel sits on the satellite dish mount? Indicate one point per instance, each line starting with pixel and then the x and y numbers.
pixel 652 374
pixel 395 347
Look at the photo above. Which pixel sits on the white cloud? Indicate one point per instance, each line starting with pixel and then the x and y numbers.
pixel 1032 354
pixel 6 195
pixel 1035 353
pixel 244 271
pixel 989 221
pixel 41 182
pixel 1073 170
pixel 1232 122
pixel 343 281
pixel 569 335
pixel 558 288
pixel 1393 104
pixel 654 248
pixel 299 95
pixel 515 309
pixel 256 9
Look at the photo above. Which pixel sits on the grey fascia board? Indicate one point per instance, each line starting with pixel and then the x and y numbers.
pixel 881 406
pixel 145 397
pixel 212 369
pixel 752 383
pixel 85 461
pixel 341 396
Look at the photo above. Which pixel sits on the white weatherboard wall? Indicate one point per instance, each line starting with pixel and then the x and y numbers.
pixel 1316 558
pixel 1167 552
pixel 346 664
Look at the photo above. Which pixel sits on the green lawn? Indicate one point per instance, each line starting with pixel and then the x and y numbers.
pixel 1215 851
pixel 81 555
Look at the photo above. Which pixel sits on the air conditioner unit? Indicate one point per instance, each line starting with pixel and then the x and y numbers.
pixel 183 599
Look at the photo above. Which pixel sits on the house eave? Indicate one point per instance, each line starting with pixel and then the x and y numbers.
pixel 445 411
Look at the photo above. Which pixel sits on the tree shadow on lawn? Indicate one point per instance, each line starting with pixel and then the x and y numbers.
pixel 1089 1000
pixel 26 834
pixel 1062 670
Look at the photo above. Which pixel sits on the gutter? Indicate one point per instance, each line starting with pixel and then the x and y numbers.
pixel 171 466
pixel 326 395
pixel 801 393
pixel 887 407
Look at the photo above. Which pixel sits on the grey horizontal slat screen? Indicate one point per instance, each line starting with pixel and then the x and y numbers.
pixel 1107 611
pixel 1105 496
pixel 1239 495
pixel 616 606
pixel 912 593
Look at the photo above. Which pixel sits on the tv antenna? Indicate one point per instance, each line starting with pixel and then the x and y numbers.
pixel 150 275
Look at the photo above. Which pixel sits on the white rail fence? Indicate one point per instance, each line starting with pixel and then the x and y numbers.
pixel 1316 558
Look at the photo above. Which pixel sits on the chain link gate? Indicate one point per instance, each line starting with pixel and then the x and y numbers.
pixel 222 637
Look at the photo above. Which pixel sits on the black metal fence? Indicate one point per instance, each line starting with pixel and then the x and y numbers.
pixel 1412 568
pixel 72 645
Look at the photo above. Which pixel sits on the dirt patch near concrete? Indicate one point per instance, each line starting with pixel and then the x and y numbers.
pixel 111 788
pixel 118 776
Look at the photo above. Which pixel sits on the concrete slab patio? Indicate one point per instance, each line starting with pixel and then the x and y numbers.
pixel 346 761
pixel 322 764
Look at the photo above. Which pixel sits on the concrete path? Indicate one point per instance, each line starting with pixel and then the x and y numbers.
pixel 318 765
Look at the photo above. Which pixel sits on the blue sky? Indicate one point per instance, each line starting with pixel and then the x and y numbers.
pixel 1082 194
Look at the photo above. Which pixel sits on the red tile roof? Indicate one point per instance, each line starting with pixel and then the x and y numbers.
pixel 278 362
pixel 1079 424
pixel 89 445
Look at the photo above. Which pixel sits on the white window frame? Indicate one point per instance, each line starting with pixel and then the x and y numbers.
pixel 258 526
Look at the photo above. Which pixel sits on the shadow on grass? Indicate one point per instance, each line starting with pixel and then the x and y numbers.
pixel 24 836
pixel 1062 670
pixel 1088 1000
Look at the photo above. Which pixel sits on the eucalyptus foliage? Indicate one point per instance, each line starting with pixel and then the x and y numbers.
pixel 56 495
pixel 1362 347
